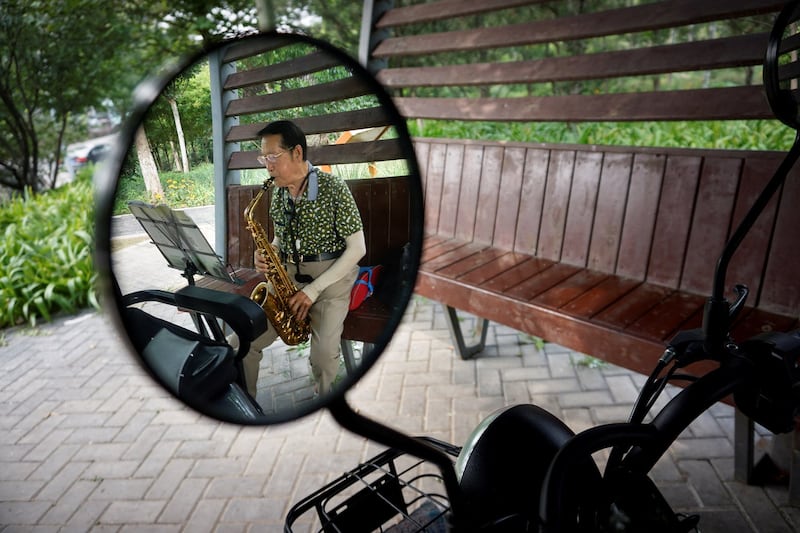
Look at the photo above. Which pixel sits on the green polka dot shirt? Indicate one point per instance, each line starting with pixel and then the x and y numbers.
pixel 319 225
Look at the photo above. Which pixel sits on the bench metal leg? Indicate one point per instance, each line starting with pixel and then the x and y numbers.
pixel 349 357
pixel 794 469
pixel 347 353
pixel 465 352
pixel 743 454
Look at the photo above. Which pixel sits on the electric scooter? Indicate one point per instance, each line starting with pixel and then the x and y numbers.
pixel 548 481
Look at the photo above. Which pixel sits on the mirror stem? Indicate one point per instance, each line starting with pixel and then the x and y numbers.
pixel 373 430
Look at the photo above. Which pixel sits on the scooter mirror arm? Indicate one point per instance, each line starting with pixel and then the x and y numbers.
pixel 373 430
pixel 687 405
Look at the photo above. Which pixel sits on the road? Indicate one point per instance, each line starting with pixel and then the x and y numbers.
pixel 128 226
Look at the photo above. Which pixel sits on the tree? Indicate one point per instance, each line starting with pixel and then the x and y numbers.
pixel 60 58
pixel 49 70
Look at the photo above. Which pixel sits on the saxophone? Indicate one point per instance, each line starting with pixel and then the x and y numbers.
pixel 274 293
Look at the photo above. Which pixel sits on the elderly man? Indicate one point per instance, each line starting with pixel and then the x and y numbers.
pixel 320 239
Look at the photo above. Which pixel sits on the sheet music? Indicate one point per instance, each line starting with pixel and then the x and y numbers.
pixel 179 240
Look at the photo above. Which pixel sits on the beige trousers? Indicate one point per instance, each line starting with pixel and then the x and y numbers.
pixel 327 323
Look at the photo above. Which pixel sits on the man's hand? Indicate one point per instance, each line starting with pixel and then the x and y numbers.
pixel 300 304
pixel 260 261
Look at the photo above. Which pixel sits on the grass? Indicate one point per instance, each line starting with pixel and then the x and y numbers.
pixel 733 135
pixel 192 189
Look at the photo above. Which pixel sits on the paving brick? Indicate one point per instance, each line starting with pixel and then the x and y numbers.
pixel 489 383
pixel 204 516
pixel 122 489
pixel 703 478
pixel 97 426
pixel 22 513
pixel 515 392
pixel 183 501
pixel 585 399
pixel 690 448
pixel 171 476
pixel 131 512
pixel 69 501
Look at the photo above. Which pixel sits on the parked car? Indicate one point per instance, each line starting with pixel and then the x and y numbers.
pixel 98 153
pixel 93 151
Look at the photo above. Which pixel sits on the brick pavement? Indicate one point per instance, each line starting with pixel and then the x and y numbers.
pixel 89 443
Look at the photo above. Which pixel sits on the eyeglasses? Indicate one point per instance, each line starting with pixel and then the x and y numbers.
pixel 269 158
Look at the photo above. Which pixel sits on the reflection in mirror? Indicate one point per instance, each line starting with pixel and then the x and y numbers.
pixel 280 149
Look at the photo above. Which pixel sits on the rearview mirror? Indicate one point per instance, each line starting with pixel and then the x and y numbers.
pixel 181 281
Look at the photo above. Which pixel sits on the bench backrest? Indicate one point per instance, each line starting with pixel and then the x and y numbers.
pixel 385 212
pixel 521 61
pixel 657 215
pixel 261 80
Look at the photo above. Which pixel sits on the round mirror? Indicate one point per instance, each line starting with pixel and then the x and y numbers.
pixel 259 259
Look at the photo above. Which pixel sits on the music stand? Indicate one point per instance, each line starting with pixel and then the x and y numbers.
pixel 180 241
pixel 185 248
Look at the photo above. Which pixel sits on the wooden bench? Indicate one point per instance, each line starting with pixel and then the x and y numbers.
pixel 605 250
pixel 261 80
pixel 385 212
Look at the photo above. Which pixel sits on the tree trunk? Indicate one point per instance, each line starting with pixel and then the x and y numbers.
pixel 62 127
pixel 176 160
pixel 179 128
pixel 148 165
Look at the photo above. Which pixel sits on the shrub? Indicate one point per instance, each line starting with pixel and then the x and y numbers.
pixel 192 189
pixel 46 261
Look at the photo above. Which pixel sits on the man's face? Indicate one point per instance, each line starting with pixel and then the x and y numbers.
pixel 280 162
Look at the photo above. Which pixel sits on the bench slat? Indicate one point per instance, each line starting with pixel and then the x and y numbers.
pixel 781 290
pixel 317 94
pixel 610 212
pixel 581 209
pixel 620 314
pixel 488 194
pixel 668 316
pixel 711 222
pixel 517 274
pixel 728 103
pixel 444 10
pixel 698 55
pixel 747 264
pixel 531 200
pixel 612 22
pixel 381 150
pixel 544 280
pixel 335 122
pixel 671 233
pixel 469 193
pixel 250 48
pixel 490 269
pixel 300 66
pixel 640 215
pixel 468 264
pixel 604 294
pixel 573 288
pixel 556 203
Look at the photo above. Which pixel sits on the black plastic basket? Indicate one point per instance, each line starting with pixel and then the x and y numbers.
pixel 393 492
